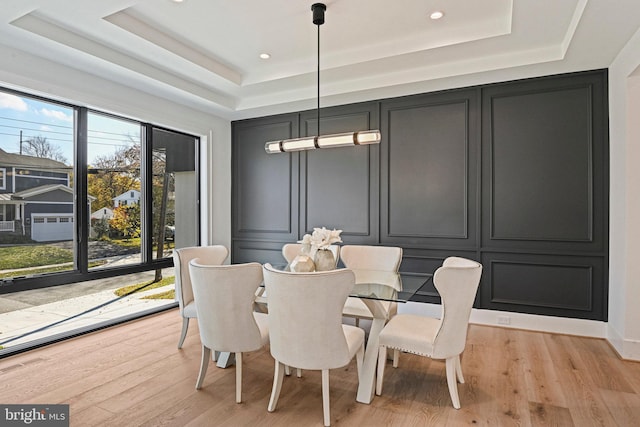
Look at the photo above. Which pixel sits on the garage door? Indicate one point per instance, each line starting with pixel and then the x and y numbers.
pixel 51 227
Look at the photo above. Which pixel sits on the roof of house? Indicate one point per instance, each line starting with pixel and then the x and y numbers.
pixel 43 189
pixel 127 195
pixel 12 159
pixel 102 213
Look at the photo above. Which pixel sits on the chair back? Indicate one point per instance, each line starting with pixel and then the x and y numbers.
pixel 291 250
pixel 385 258
pixel 224 296
pixel 212 255
pixel 457 283
pixel 305 317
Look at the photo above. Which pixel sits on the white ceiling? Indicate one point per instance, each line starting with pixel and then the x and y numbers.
pixel 205 53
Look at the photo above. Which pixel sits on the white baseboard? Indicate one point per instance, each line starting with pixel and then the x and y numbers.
pixel 626 348
pixel 507 319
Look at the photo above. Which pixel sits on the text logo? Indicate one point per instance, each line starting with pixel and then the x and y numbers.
pixel 34 415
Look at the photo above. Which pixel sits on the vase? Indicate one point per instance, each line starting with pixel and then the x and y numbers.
pixel 302 264
pixel 324 260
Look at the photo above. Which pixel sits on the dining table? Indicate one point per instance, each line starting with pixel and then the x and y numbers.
pixel 374 287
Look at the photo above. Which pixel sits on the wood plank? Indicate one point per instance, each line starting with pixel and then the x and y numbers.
pixel 133 374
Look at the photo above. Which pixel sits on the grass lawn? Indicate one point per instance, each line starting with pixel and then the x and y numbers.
pixel 162 295
pixel 139 287
pixel 33 256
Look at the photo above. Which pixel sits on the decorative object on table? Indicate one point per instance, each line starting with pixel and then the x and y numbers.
pixel 317 246
pixel 302 264
pixel 348 139
pixel 324 260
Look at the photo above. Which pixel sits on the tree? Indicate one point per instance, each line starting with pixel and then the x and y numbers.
pixel 101 228
pixel 110 176
pixel 126 220
pixel 38 146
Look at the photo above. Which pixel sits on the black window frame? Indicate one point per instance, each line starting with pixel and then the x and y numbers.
pixel 81 272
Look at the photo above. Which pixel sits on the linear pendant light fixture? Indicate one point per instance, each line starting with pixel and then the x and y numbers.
pixel 322 141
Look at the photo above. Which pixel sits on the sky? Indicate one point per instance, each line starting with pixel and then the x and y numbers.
pixel 55 123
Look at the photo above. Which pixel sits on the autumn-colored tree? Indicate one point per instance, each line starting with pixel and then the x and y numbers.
pixel 110 176
pixel 126 220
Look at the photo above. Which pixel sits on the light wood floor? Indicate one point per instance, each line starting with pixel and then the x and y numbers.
pixel 134 375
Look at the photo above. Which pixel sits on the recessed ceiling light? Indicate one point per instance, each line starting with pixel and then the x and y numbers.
pixel 436 15
pixel 265 56
pixel 177 1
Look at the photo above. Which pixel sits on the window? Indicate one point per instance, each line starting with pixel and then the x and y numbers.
pixel 115 210
pixel 37 144
pixel 120 211
pixel 174 191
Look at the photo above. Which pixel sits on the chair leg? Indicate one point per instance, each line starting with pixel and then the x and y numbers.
pixel 204 364
pixel 278 376
pixel 459 371
pixel 325 397
pixel 451 381
pixel 239 377
pixel 382 360
pixel 287 371
pixel 183 334
pixel 396 357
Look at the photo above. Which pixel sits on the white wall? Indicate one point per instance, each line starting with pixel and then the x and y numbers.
pixel 624 267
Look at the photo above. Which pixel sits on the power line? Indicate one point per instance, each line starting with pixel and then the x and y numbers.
pixel 35 123
pixel 36 130
pixel 121 144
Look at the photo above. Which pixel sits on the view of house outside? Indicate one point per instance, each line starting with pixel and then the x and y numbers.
pixel 38 195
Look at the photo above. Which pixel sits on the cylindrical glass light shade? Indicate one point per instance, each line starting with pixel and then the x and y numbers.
pixel 368 137
pixel 336 140
pixel 298 144
pixel 272 147
pixel 348 139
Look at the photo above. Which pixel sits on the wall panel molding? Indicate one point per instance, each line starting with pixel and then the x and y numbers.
pixel 512 174
pixel 429 169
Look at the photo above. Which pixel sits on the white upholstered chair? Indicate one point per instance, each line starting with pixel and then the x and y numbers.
pixel 291 250
pixel 445 338
pixel 384 258
pixel 212 255
pixel 305 322
pixel 224 296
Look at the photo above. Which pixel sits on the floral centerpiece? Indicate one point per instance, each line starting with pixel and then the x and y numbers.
pixel 316 246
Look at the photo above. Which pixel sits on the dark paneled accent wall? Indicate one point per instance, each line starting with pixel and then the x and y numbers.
pixel 339 187
pixel 514 175
pixel 265 199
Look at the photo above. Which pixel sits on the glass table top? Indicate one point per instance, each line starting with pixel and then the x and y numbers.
pixel 382 285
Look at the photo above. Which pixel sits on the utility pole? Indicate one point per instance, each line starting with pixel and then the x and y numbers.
pixel 21 143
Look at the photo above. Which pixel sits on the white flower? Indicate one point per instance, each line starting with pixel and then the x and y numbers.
pixel 321 238
pixel 306 239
